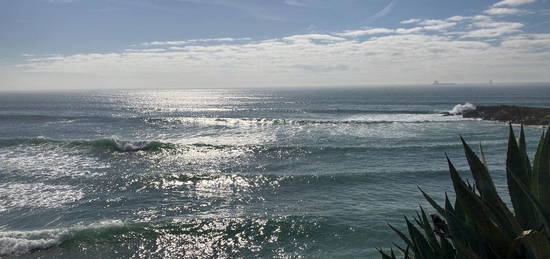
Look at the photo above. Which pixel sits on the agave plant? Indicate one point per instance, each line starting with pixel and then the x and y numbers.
pixel 479 224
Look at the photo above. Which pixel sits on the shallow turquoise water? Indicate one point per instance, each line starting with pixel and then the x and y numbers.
pixel 231 172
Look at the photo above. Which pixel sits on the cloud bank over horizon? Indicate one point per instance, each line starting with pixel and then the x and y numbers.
pixel 489 45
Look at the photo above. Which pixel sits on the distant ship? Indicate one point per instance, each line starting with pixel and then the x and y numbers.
pixel 439 83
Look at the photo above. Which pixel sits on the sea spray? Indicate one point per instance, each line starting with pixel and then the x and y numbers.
pixel 461 108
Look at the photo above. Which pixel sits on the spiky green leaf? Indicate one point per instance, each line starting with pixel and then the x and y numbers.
pixel 478 213
pixel 420 246
pixel 385 255
pixel 541 171
pixel 531 243
pixel 434 204
pixel 424 223
pixel 515 164
pixel 543 214
pixel 488 192
pixel 447 250
pixel 401 235
pixel 467 241
pixel 404 251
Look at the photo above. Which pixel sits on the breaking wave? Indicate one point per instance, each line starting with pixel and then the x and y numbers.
pixel 180 237
pixel 112 144
pixel 23 242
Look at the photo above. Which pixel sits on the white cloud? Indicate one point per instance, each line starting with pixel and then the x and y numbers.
pixel 440 27
pixel 145 50
pixel 436 25
pixel 431 22
pixel 409 21
pixel 272 62
pixel 409 30
pixel 529 43
pixel 313 37
pixel 491 29
pixel 481 17
pixel 165 43
pixel 454 49
pixel 503 11
pixel 183 42
pixel 218 39
pixel 456 18
pixel 494 24
pixel 310 59
pixel 359 33
pixel 513 2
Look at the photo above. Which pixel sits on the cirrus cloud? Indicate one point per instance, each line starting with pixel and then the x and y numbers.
pixel 503 11
pixel 513 2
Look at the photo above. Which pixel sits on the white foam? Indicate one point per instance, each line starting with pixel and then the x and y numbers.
pixel 50 161
pixel 36 195
pixel 22 242
pixel 461 108
pixel 129 146
pixel 400 118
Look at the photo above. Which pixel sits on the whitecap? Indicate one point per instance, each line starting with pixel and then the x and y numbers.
pixel 37 195
pixel 23 242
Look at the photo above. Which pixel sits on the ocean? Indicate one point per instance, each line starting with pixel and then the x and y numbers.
pixel 234 173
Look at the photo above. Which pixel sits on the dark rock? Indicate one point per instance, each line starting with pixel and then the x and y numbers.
pixel 512 114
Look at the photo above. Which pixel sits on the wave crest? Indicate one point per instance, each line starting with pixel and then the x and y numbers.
pixel 23 242
pixel 364 119
pixel 112 144
pixel 126 146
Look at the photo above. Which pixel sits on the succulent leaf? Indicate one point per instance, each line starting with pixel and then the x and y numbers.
pixel 434 204
pixel 478 212
pixel 524 211
pixel 500 212
pixel 541 171
pixel 423 249
pixel 480 225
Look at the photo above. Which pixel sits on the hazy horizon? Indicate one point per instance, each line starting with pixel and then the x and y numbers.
pixel 466 86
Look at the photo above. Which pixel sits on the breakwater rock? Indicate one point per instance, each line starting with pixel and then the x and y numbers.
pixel 511 113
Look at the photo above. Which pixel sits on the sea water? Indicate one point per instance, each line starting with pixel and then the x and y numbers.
pixel 233 172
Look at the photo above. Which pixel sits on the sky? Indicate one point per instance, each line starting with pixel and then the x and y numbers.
pixel 51 44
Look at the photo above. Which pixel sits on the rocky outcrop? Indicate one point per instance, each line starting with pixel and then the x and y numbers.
pixel 510 113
